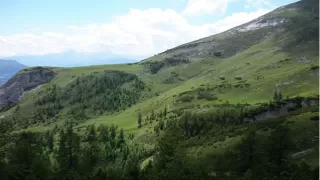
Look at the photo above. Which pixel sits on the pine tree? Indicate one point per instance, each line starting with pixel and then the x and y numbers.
pixel 91 152
pixel 139 120
pixel 50 141
pixel 247 150
pixel 104 133
pixel 241 114
pixel 72 147
pixel 62 150
pixel 121 137
pixel 161 125
pixel 280 96
pixel 275 96
pixel 113 130
pixel 280 143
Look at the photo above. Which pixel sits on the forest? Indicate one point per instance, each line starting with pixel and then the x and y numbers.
pixel 107 152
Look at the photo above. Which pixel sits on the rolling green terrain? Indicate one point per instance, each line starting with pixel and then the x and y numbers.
pixel 200 104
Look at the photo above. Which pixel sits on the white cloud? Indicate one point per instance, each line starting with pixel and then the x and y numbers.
pixel 201 7
pixel 140 32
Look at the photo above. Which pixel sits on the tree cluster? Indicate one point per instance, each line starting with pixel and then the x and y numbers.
pixel 100 153
pixel 94 94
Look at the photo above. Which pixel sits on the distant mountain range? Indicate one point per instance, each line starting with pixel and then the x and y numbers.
pixel 8 68
pixel 73 58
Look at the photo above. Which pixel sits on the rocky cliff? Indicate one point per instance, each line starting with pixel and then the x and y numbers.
pixel 11 91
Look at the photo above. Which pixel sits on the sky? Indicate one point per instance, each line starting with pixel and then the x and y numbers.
pixel 126 27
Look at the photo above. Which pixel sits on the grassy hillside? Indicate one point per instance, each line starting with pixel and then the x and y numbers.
pixel 267 63
pixel 237 72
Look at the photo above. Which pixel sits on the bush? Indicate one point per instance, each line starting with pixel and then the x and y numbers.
pixel 207 96
pixel 218 54
pixel 238 78
pixel 186 98
pixel 314 118
pixel 315 67
pixel 222 78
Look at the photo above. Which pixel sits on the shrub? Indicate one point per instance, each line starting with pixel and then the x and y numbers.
pixel 315 67
pixel 314 118
pixel 186 98
pixel 207 96
pixel 222 78
pixel 218 54
pixel 238 78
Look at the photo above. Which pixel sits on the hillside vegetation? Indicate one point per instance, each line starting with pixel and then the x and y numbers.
pixel 242 104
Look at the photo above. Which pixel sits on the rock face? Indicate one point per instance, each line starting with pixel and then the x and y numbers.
pixel 11 91
pixel 283 110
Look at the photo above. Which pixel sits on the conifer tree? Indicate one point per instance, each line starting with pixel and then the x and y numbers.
pixel 275 96
pixel 139 120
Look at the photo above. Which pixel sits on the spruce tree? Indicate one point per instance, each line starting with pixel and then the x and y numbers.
pixel 139 120
pixel 275 96
pixel 121 137
pixel 113 130
pixel 280 96
pixel 50 141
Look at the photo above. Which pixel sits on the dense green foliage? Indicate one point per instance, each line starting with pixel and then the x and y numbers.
pixel 263 152
pixel 93 94
pixel 245 108
pixel 256 156
pixel 64 154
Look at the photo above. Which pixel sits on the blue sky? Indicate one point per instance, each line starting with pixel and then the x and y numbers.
pixel 140 27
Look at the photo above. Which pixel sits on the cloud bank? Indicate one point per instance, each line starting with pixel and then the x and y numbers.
pixel 139 32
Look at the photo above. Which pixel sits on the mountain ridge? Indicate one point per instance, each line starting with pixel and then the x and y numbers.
pixel 73 59
pixel 8 68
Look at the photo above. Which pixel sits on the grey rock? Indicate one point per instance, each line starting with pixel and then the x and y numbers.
pixel 25 80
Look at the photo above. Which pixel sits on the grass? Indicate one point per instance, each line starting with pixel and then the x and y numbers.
pixel 203 72
pixel 262 63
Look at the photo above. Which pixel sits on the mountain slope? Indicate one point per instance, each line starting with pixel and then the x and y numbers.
pixel 201 107
pixel 8 68
pixel 243 65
